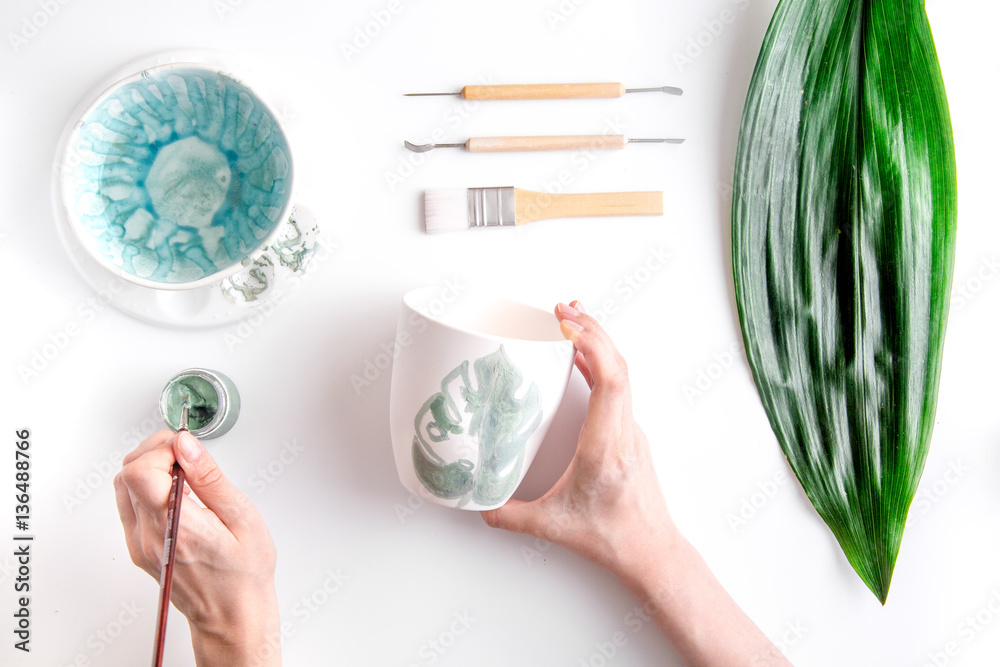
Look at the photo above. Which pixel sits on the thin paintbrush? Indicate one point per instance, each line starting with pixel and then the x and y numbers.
pixel 456 209
pixel 170 542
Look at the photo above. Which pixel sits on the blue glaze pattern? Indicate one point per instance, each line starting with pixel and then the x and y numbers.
pixel 181 173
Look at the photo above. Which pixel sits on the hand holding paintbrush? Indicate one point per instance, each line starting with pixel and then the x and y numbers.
pixel 223 573
pixel 170 543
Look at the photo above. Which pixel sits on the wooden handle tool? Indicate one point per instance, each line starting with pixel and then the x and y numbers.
pixel 544 91
pixel 551 91
pixel 546 143
pixel 542 143
pixel 531 206
pixel 457 209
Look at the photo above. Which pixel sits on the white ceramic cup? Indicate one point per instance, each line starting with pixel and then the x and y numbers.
pixel 182 187
pixel 475 383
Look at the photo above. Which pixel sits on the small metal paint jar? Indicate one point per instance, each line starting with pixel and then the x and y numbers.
pixel 214 402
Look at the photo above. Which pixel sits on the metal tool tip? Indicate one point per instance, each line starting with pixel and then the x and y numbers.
pixel 656 141
pixel 185 409
pixel 669 90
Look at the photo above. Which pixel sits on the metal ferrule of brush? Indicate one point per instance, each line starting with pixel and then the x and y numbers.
pixel 491 207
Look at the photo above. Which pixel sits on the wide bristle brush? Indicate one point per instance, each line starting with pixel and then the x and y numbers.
pixel 457 209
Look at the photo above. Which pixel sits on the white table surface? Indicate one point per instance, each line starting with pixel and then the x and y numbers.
pixel 436 586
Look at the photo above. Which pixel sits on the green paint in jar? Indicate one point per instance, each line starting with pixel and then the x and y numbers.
pixel 214 402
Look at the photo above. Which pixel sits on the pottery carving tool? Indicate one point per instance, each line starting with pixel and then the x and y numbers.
pixel 457 209
pixel 542 143
pixel 170 543
pixel 550 91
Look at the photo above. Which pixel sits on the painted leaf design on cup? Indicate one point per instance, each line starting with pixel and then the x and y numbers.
pixel 492 415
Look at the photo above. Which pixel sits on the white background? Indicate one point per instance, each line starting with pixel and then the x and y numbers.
pixel 337 507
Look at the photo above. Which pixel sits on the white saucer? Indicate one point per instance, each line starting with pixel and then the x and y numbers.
pixel 277 271
pixel 260 283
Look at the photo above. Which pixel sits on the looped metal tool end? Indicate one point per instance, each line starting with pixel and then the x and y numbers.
pixel 423 148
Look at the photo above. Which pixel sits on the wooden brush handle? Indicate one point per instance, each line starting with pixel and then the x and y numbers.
pixel 552 143
pixel 544 91
pixel 531 206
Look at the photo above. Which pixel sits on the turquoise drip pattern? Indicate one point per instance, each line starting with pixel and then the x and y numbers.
pixel 221 180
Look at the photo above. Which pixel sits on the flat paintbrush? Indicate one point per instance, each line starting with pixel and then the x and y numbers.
pixel 457 209
pixel 170 543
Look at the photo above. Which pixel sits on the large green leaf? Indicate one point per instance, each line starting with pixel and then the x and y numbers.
pixel 843 246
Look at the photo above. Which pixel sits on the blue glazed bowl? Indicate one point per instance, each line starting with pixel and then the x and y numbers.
pixel 175 175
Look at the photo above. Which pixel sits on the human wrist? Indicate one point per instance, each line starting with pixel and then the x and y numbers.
pixel 250 635
pixel 647 562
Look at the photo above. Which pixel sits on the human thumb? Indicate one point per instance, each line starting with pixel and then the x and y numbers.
pixel 203 475
pixel 516 516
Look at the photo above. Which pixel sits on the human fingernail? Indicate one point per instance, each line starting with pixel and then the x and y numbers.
pixel 190 448
pixel 579 307
pixel 569 310
pixel 570 330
